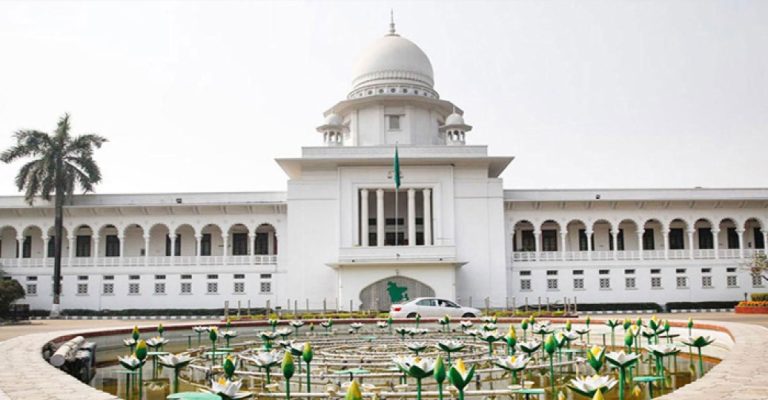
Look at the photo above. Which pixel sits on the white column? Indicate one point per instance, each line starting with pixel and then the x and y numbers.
pixel 380 217
pixel 740 231
pixel 146 249
pixel 640 234
pixel 172 236
pixel 252 246
pixel 715 242
pixel 537 244
pixel 224 240
pixel 364 217
pixel 198 248
pixel 71 247
pixel 765 240
pixel 121 239
pixel 563 239
pixel 45 250
pixel 589 243
pixel 20 240
pixel 690 243
pixel 411 217
pixel 95 248
pixel 427 217
pixel 665 233
pixel 615 238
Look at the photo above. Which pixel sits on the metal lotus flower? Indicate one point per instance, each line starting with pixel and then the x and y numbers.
pixel 529 347
pixel 621 359
pixel 460 376
pixel 382 324
pixel 229 367
pixel 416 367
pixel 466 324
pixel 356 325
pixel 513 363
pixel 268 335
pixel 588 385
pixel 353 391
pixel 450 346
pixel 542 329
pixel 596 358
pixel 157 342
pixel 416 347
pixel 296 323
pixel 175 360
pixel 284 332
pixel 228 389
pixel 490 327
pixel 698 342
pixel 130 363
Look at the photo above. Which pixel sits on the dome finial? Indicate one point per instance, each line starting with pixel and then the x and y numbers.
pixel 392 23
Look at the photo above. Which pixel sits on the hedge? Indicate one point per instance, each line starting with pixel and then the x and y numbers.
pixel 212 312
pixel 619 307
pixel 759 296
pixel 701 305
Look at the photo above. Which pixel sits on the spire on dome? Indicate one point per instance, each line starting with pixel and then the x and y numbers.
pixel 392 23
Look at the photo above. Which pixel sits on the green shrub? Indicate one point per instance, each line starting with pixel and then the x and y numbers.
pixel 10 291
pixel 701 305
pixel 759 296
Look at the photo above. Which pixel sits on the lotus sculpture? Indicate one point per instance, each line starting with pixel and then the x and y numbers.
pixel 175 362
pixel 513 364
pixel 699 342
pixel 587 386
pixel 460 376
pixel 417 368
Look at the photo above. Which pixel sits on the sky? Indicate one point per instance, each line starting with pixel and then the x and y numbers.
pixel 202 96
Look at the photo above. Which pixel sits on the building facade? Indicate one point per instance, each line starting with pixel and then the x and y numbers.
pixel 342 235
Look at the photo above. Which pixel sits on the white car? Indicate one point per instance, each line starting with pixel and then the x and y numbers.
pixel 431 307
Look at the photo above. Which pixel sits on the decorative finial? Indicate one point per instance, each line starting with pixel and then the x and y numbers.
pixel 392 22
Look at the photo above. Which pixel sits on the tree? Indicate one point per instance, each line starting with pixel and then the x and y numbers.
pixel 10 291
pixel 59 164
pixel 758 266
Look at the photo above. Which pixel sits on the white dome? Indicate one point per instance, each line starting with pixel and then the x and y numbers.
pixel 393 59
pixel 454 119
pixel 333 119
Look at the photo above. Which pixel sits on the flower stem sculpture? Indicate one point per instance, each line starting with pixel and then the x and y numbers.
pixel 416 347
pixel 524 327
pixel 660 351
pixel 587 322
pixel 229 367
pixel 418 319
pixel 550 344
pixel 389 324
pixel 199 330
pixel 460 376
pixel 439 374
pixel 288 370
pixel 228 335
pixel 307 354
pixel 273 323
pixel 596 358
pixel 267 337
pixel 296 324
pixel 514 365
pixel 160 330
pixel 699 342
pixel 213 335
pixel 612 323
pixel 511 339
pixel 450 346
pixel 490 338
pixel 417 368
pixel 131 363
pixel 353 391
pixel 265 361
pixel 141 355
pixel 175 362
pixel 327 324
pixel 446 323
pixel 622 361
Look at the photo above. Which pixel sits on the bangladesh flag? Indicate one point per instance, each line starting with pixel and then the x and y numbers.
pixel 397 170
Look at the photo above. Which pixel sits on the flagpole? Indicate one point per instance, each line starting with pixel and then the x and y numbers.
pixel 397 195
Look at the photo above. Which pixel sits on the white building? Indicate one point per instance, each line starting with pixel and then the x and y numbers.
pixel 334 237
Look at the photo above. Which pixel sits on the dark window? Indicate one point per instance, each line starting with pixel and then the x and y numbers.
pixel 514 242
pixel 51 246
pixel 113 246
pixel 648 242
pixel 239 244
pixel 676 241
pixel 706 239
pixel 176 245
pixel 529 241
pixel 390 238
pixel 83 246
pixel 619 240
pixel 759 243
pixel 26 251
pixel 419 238
pixel 583 240
pixel 262 243
pixel 549 240
pixel 205 244
pixel 733 238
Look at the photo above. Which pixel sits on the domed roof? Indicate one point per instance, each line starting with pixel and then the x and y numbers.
pixel 333 119
pixel 454 119
pixel 393 58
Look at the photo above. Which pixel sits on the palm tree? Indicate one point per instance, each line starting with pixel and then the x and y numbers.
pixel 59 163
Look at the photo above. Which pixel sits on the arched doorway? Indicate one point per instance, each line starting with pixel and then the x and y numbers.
pixel 380 294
